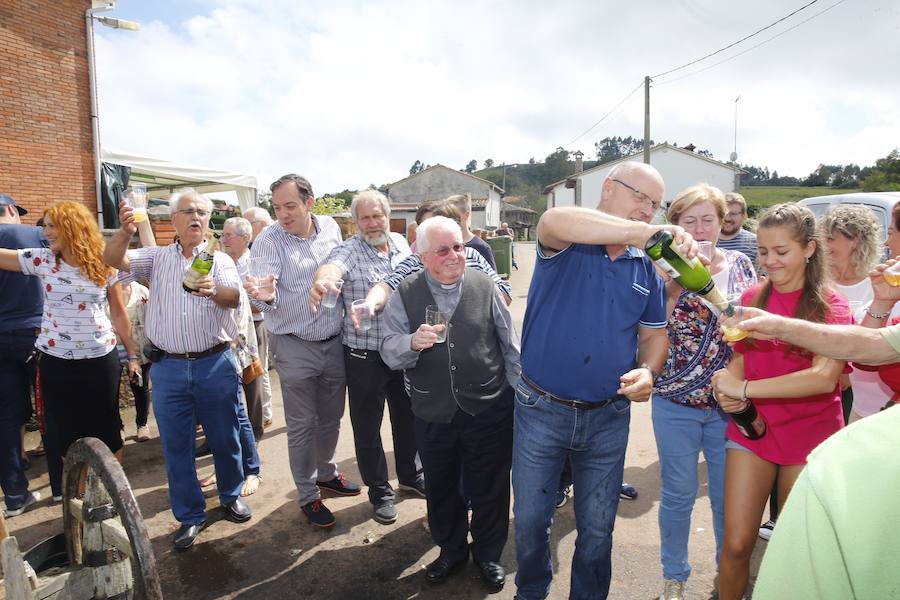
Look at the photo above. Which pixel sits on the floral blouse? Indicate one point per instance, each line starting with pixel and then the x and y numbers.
pixel 696 347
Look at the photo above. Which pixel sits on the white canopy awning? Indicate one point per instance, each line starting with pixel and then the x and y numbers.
pixel 164 177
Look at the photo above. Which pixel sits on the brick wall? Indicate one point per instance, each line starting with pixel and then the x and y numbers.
pixel 46 145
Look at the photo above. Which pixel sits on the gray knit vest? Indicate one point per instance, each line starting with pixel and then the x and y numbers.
pixel 468 369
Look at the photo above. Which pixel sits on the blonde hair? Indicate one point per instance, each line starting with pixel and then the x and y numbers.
pixel 858 223
pixel 77 232
pixel 696 194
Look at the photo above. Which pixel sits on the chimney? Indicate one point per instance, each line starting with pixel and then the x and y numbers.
pixel 579 164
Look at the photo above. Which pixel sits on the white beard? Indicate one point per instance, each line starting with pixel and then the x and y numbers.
pixel 376 240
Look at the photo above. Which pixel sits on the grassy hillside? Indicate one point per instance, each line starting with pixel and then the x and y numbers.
pixel 763 195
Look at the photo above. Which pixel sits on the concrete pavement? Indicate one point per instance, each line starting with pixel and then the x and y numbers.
pixel 277 554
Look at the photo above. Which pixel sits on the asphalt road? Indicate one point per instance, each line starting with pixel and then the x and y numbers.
pixel 277 554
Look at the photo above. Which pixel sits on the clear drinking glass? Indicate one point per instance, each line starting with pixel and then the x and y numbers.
pixel 434 316
pixel 136 198
pixel 363 314
pixel 331 296
pixel 261 269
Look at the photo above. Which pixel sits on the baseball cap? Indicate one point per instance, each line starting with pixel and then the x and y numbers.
pixel 6 200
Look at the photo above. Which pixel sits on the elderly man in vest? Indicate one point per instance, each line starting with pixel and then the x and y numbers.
pixel 459 376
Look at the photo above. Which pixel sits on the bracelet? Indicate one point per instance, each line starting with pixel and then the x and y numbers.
pixel 744 391
pixel 133 357
pixel 878 316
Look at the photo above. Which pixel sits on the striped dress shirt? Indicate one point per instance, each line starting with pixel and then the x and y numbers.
pixel 413 264
pixel 294 261
pixel 179 322
pixel 363 266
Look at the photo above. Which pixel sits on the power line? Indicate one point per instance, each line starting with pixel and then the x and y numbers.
pixel 604 117
pixel 743 39
pixel 766 41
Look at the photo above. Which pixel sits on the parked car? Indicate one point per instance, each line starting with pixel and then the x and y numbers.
pixel 881 203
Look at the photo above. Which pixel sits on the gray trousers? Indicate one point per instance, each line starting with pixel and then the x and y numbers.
pixel 313 391
pixel 262 342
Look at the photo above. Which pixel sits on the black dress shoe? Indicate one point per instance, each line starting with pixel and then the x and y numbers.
pixel 492 574
pixel 237 511
pixel 442 568
pixel 187 535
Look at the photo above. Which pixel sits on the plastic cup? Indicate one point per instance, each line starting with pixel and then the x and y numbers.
pixel 706 249
pixel 261 269
pixel 331 296
pixel 136 198
pixel 363 314
pixel 434 316
pixel 733 333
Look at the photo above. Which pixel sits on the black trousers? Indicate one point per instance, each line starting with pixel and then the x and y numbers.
pixel 369 383
pixel 478 448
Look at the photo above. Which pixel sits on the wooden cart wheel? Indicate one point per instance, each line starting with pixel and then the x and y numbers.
pixel 105 532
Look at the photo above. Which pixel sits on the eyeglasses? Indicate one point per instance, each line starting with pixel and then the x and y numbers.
pixel 231 235
pixel 445 250
pixel 640 195
pixel 734 215
pixel 190 212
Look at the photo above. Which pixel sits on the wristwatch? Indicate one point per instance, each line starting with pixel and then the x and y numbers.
pixel 214 292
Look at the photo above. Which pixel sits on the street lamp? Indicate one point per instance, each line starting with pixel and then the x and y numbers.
pixel 89 18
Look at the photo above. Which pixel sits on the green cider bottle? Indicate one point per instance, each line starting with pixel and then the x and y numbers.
pixel 690 274
pixel 200 267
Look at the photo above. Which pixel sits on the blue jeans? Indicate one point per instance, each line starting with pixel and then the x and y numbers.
pixel 249 454
pixel 204 389
pixel 545 433
pixel 16 377
pixel 681 432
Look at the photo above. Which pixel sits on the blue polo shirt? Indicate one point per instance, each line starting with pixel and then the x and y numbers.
pixel 581 326
pixel 21 296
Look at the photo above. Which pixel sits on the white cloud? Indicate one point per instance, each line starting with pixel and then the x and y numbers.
pixel 352 93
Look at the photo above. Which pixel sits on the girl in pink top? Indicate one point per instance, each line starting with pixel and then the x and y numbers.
pixel 795 392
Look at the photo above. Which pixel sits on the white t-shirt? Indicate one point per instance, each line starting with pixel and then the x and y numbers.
pixel 75 324
pixel 869 392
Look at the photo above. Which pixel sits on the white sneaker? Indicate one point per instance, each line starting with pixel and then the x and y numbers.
pixel 766 529
pixel 673 590
pixel 30 499
pixel 143 433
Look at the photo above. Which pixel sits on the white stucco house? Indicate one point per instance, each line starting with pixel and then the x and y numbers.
pixel 436 183
pixel 680 169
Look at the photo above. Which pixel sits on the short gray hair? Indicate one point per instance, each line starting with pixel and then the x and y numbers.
pixel 258 213
pixel 191 193
pixel 242 226
pixel 435 224
pixel 373 196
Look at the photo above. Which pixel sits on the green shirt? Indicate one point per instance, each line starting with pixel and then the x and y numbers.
pixel 892 335
pixel 838 537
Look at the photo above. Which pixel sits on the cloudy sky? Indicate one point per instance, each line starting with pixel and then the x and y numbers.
pixel 352 93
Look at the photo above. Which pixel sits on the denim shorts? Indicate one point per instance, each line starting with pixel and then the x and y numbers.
pixel 731 445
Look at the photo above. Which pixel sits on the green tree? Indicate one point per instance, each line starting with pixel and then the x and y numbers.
pixel 488 163
pixel 328 205
pixel 471 166
pixel 885 176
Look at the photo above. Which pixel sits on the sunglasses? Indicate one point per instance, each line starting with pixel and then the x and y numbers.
pixel 445 250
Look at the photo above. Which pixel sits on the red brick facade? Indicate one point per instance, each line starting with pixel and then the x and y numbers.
pixel 46 144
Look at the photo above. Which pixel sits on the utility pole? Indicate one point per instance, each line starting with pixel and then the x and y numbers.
pixel 647 120
pixel 734 154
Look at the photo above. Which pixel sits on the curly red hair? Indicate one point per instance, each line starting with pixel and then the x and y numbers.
pixel 77 231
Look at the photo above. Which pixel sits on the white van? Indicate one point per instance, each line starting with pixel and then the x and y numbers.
pixel 881 203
